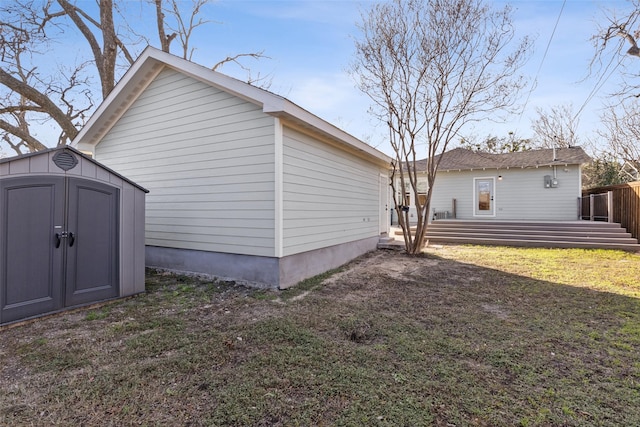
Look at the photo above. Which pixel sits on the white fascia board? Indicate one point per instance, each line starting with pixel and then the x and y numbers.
pixel 232 85
pixel 285 108
pixel 151 62
pixel 139 76
pixel 135 80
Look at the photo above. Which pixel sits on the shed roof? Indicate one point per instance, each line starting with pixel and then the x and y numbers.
pixel 465 159
pixel 76 152
pixel 151 62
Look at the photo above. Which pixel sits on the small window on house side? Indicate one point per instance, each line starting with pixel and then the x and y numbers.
pixel 422 198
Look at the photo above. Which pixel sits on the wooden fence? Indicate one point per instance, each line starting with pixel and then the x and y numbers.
pixel 625 207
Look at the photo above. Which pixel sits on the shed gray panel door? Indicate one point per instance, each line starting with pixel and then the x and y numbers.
pixel 31 265
pixel 58 244
pixel 92 242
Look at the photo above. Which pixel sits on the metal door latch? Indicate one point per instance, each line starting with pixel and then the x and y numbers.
pixel 65 235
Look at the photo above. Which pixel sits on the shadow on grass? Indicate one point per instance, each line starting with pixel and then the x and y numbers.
pixel 388 340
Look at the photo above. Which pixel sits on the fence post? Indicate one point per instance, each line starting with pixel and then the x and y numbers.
pixel 610 206
pixel 579 208
pixel 591 205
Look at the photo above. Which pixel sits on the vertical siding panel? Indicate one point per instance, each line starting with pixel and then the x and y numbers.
pixel 127 235
pixel 19 166
pixel 207 158
pixel 39 164
pixel 103 175
pixel 89 169
pixel 139 240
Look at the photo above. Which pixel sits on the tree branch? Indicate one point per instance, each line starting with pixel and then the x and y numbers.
pixel 40 99
pixel 32 142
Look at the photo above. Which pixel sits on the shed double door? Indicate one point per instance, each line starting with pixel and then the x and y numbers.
pixel 58 244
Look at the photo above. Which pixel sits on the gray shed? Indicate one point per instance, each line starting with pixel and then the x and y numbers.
pixel 71 233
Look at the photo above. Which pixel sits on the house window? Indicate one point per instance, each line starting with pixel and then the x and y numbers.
pixel 422 198
pixel 408 194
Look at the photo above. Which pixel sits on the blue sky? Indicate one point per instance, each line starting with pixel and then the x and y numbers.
pixel 310 43
pixel 310 47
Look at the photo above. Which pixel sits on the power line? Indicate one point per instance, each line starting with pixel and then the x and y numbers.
pixel 599 84
pixel 544 56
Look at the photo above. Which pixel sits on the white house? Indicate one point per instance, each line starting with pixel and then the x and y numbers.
pixel 529 185
pixel 244 184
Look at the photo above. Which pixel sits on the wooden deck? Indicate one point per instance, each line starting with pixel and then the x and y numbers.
pixel 572 234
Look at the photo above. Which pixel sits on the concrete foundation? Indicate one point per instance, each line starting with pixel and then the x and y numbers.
pixel 256 271
pixel 295 268
pixel 250 270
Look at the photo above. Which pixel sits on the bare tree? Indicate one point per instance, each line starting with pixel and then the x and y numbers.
pixel 61 98
pixel 616 48
pixel 497 145
pixel 172 24
pixel 621 130
pixel 556 127
pixel 35 95
pixel 617 51
pixel 29 97
pixel 605 169
pixel 430 68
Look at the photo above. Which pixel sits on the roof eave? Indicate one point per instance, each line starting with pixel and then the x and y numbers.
pixel 290 111
pixel 151 62
pixel 134 81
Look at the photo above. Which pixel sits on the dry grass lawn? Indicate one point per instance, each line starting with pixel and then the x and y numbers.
pixel 461 336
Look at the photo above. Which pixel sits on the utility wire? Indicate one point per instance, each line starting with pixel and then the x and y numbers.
pixel 546 51
pixel 601 81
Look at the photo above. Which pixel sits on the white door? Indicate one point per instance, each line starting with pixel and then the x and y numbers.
pixel 385 218
pixel 484 205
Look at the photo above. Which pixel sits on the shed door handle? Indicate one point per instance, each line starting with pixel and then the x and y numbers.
pixel 58 239
pixel 72 239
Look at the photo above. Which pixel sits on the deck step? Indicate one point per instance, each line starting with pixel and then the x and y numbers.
pixel 575 234
pixel 609 234
pixel 543 236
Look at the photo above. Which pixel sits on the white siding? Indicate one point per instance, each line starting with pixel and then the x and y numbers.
pixel 329 196
pixel 520 195
pixel 207 158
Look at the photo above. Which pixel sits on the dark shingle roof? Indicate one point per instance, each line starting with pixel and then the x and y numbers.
pixel 464 159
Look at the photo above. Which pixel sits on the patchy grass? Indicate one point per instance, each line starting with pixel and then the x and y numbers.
pixel 463 335
pixel 599 269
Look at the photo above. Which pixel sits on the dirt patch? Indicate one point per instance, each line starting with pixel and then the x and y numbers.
pixel 445 338
pixel 496 310
pixel 389 264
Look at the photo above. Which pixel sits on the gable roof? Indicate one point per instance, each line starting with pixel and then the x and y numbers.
pixel 151 62
pixel 465 159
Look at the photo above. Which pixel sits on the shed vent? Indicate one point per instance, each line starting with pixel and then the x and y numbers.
pixel 65 160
